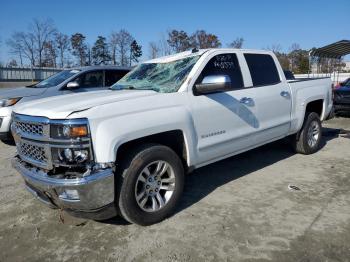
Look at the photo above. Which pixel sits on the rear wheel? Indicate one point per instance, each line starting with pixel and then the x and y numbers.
pixel 309 138
pixel 150 185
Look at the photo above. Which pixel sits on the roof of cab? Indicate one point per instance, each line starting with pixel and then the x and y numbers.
pixel 174 57
pixel 101 67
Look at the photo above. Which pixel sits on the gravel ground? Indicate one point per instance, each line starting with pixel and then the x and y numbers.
pixel 239 209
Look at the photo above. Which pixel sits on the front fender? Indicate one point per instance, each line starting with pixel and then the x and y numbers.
pixel 110 133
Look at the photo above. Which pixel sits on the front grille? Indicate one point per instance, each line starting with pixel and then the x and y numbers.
pixel 32 152
pixel 34 143
pixel 29 128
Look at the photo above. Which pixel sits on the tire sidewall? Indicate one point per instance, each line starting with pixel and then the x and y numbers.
pixel 312 117
pixel 127 202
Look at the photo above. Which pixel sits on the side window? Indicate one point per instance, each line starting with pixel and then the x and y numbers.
pixel 262 69
pixel 90 79
pixel 224 64
pixel 112 76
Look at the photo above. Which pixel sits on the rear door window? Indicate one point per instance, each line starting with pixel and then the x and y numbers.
pixel 224 64
pixel 262 69
pixel 112 76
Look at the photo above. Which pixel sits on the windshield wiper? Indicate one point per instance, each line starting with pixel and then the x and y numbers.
pixel 130 87
pixel 31 86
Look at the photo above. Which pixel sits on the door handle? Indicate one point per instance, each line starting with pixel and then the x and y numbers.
pixel 247 101
pixel 285 94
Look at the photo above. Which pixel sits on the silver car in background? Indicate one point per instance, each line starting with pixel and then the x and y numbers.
pixel 82 79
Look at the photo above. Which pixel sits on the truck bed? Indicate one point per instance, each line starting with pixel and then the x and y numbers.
pixel 304 90
pixel 306 79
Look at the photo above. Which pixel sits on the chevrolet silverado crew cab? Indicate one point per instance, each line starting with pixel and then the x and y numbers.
pixel 126 150
pixel 82 79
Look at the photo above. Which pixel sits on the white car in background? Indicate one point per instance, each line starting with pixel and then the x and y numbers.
pixel 83 79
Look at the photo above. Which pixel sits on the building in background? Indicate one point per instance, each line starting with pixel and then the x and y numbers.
pixel 346 67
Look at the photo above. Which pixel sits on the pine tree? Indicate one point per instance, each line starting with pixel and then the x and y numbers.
pixel 135 52
pixel 100 52
pixel 79 47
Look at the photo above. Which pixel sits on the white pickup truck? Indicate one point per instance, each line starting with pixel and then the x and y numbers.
pixel 126 150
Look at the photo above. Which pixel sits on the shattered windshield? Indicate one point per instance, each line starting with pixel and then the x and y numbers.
pixel 161 77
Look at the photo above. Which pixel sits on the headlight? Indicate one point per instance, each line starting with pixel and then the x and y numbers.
pixel 9 101
pixel 73 138
pixel 69 131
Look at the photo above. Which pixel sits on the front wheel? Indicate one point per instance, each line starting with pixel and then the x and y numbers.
pixel 150 185
pixel 309 139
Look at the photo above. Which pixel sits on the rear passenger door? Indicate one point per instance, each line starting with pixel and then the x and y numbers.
pixel 273 103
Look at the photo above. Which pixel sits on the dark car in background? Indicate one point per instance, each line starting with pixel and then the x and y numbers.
pixel 344 83
pixel 81 79
pixel 342 97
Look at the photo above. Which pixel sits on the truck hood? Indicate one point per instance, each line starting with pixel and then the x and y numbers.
pixel 60 107
pixel 20 92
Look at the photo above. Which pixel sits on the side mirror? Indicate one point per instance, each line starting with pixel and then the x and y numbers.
pixel 73 85
pixel 213 84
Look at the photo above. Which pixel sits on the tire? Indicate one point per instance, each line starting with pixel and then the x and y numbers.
pixel 134 179
pixel 308 140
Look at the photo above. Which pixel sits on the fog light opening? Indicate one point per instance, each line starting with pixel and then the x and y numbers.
pixel 66 155
pixel 72 156
pixel 81 156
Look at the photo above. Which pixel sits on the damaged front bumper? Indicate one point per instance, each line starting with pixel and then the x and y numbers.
pixel 91 196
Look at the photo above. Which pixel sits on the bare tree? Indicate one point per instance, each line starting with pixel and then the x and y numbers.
pixel 12 63
pixel 237 43
pixel 120 43
pixel 202 39
pixel 276 48
pixel 16 48
pixel 49 58
pixel 154 50
pixel 63 43
pixel 113 44
pixel 43 31
pixel 281 56
pixel 23 45
pixel 293 55
pixel 164 48
pixel 179 41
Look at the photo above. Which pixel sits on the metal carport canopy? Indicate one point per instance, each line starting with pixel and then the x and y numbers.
pixel 335 50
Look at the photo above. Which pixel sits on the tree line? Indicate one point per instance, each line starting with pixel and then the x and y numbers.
pixel 43 45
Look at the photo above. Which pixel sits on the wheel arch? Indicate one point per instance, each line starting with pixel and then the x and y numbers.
pixel 174 139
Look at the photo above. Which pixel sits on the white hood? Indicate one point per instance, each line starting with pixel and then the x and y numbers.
pixel 60 107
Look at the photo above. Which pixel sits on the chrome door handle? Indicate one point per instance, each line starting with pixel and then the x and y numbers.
pixel 247 101
pixel 285 94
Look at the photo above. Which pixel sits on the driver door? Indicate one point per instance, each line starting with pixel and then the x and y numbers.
pixel 226 121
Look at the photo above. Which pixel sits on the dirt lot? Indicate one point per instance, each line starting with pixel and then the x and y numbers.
pixel 239 209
